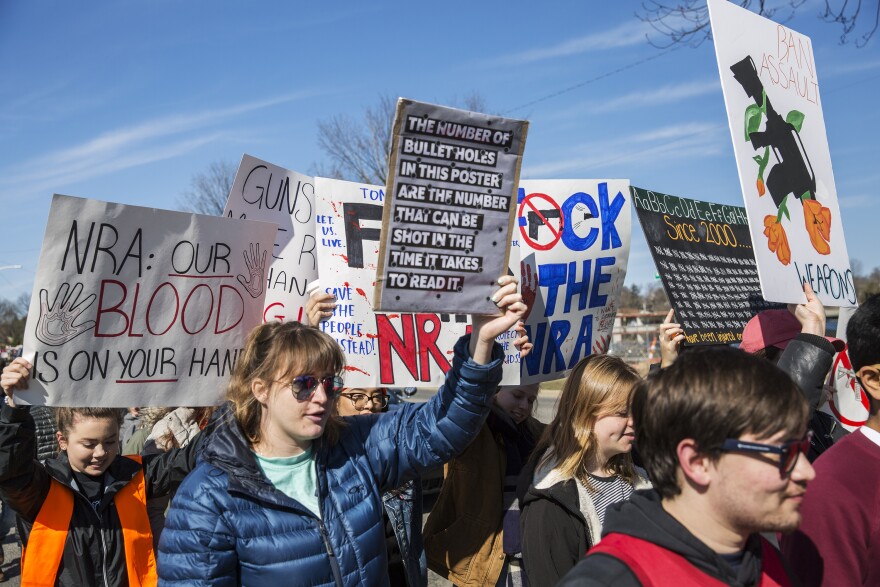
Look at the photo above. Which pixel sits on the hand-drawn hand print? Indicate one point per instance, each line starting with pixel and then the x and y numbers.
pixel 528 287
pixel 600 347
pixel 56 323
pixel 256 266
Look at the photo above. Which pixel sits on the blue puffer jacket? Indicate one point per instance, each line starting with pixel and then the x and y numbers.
pixel 228 525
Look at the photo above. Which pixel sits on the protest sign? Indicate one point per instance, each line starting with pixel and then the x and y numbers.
pixel 137 306
pixel 262 191
pixel 703 252
pixel 574 238
pixel 446 225
pixel 771 90
pixel 849 403
pixel 382 349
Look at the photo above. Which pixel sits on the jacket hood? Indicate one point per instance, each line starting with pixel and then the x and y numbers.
pixel 227 449
pixel 644 517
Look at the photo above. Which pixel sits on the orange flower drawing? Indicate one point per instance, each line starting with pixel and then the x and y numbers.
pixel 777 240
pixel 760 185
pixel 818 220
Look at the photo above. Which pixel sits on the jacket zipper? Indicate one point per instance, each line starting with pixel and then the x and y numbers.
pixel 104 558
pixel 334 564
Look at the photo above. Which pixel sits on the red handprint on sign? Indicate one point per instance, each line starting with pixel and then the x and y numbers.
pixel 528 286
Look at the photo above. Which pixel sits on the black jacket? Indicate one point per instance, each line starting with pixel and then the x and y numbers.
pixel 93 553
pixel 554 531
pixel 643 517
pixel 807 360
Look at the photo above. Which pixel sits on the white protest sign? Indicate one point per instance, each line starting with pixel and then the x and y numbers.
pixel 849 403
pixel 574 239
pixel 262 191
pixel 771 90
pixel 446 224
pixel 382 349
pixel 137 306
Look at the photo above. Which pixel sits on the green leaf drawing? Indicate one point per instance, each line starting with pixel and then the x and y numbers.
pixel 796 119
pixel 783 209
pixel 762 162
pixel 752 119
pixel 807 195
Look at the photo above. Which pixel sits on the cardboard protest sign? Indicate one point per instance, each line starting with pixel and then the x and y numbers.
pixel 771 90
pixel 703 252
pixel 574 238
pixel 262 191
pixel 446 224
pixel 381 349
pixel 137 306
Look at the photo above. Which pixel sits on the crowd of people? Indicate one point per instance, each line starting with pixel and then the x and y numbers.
pixel 716 469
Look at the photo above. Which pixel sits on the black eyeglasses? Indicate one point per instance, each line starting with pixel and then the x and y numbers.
pixel 359 400
pixel 788 451
pixel 304 386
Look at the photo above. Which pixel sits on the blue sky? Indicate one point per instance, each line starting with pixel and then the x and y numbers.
pixel 125 101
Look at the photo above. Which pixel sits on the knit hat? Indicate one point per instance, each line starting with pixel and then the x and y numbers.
pixel 776 328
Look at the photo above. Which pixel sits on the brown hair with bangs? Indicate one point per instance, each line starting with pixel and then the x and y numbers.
pixel 65 418
pixel 599 385
pixel 280 351
pixel 709 395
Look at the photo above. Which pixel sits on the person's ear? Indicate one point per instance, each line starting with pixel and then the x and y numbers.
pixel 695 465
pixel 62 442
pixel 870 379
pixel 260 389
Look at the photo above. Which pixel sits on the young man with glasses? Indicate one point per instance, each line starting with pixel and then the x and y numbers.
pixel 721 434
pixel 838 542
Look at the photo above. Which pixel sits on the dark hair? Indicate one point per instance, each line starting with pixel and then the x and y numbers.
pixel 280 351
pixel 65 417
pixel 771 353
pixel 863 334
pixel 709 395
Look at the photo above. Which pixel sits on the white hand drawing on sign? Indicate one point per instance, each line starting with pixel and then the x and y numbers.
pixel 256 266
pixel 56 323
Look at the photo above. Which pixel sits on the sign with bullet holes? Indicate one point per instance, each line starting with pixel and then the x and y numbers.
pixel 446 222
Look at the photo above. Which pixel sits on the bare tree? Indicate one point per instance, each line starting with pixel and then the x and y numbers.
pixel 209 189
pixel 12 321
pixel 358 148
pixel 687 21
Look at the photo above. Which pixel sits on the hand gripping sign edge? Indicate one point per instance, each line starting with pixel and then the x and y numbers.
pixel 524 224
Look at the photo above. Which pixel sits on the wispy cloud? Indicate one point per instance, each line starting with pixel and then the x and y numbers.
pixel 122 148
pixel 660 144
pixel 856 201
pixel 624 35
pixel 662 95
pixel 851 67
pixel 645 98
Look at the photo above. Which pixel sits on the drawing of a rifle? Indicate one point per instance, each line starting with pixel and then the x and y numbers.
pixel 792 173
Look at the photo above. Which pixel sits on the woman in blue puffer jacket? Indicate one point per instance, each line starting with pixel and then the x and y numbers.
pixel 287 495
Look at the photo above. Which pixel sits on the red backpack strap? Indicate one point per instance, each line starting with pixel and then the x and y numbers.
pixel 648 561
pixel 620 546
pixel 773 573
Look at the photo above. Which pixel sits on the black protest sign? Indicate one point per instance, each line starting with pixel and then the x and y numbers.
pixel 449 208
pixel 703 252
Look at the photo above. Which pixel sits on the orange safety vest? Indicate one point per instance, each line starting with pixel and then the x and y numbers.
pixel 49 534
pixel 654 565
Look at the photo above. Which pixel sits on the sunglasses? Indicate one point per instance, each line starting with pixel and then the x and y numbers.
pixel 788 451
pixel 359 400
pixel 304 386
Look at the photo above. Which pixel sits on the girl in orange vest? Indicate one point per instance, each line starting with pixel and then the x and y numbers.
pixel 82 515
